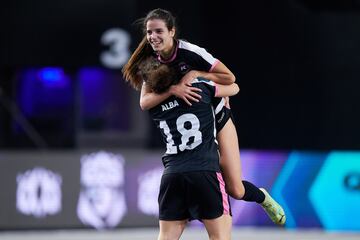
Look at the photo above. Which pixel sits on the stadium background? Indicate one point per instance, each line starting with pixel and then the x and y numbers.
pixel 63 104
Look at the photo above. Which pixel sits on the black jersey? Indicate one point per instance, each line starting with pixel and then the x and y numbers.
pixel 188 56
pixel 189 131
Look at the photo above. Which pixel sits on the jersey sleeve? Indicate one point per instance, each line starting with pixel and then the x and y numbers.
pixel 203 59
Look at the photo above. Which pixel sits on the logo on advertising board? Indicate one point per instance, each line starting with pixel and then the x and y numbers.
pixel 149 183
pixel 101 202
pixel 38 192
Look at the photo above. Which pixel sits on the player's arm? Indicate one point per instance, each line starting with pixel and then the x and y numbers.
pixel 226 90
pixel 219 74
pixel 149 99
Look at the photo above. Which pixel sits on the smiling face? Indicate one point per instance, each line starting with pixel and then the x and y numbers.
pixel 160 37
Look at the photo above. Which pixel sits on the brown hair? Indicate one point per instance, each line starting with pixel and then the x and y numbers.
pixel 144 50
pixel 158 77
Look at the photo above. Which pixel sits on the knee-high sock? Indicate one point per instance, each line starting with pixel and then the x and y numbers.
pixel 252 193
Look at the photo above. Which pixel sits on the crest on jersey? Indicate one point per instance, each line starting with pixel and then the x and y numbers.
pixel 183 67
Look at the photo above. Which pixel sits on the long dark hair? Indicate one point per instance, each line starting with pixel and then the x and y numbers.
pixel 144 50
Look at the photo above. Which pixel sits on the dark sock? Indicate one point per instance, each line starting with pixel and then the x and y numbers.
pixel 252 193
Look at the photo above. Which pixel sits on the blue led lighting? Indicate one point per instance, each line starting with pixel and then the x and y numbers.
pixel 53 77
pixel 333 194
pixel 280 183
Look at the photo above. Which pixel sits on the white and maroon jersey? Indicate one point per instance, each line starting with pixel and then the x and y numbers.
pixel 189 131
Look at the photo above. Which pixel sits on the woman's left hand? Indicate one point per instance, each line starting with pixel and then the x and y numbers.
pixel 185 92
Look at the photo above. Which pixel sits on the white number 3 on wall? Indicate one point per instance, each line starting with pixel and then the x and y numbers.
pixel 118 53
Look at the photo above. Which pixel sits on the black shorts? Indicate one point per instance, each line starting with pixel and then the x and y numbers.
pixel 193 195
pixel 222 117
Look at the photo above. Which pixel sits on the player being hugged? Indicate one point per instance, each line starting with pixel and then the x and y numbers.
pixel 192 186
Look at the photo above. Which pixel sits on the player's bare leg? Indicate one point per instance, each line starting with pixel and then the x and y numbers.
pixel 230 163
pixel 219 228
pixel 230 160
pixel 171 230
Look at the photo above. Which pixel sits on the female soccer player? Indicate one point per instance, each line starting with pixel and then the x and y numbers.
pixel 191 62
pixel 191 185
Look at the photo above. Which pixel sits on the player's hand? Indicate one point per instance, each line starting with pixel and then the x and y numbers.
pixel 187 93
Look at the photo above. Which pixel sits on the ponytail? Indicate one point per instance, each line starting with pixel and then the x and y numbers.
pixel 131 68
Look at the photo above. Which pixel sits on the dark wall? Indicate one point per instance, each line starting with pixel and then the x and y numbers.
pixel 59 33
pixel 297 70
pixel 5 116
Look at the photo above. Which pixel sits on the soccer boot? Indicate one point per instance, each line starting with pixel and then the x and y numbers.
pixel 273 209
